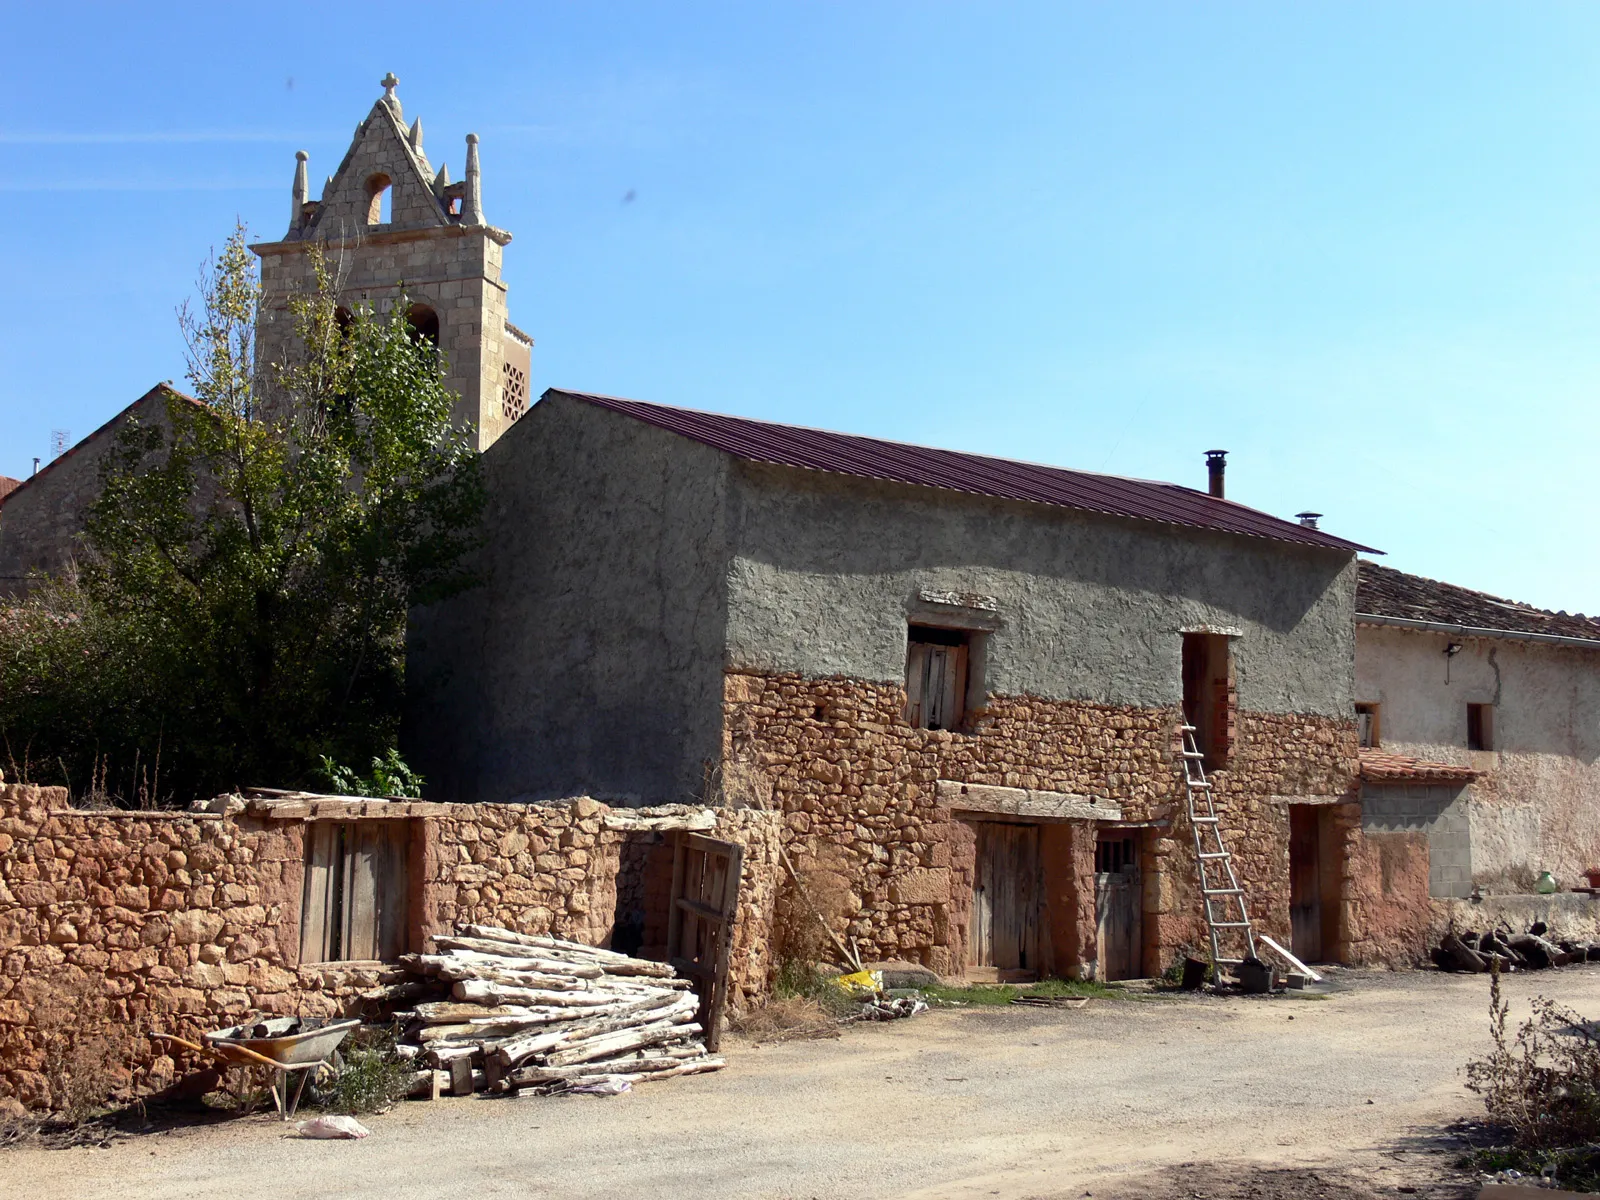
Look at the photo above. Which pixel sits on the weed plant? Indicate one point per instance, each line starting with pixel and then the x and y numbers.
pixel 1541 1085
pixel 373 1078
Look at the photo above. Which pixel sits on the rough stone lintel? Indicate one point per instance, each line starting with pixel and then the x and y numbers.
pixel 1031 803
pixel 1315 799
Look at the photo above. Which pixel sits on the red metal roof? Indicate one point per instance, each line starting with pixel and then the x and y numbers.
pixel 1379 766
pixel 872 458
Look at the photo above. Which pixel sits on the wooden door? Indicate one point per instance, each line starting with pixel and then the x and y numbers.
pixel 1305 882
pixel 1006 895
pixel 1118 902
pixel 355 902
pixel 700 921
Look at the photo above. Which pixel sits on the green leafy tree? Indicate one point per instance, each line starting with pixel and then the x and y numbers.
pixel 254 552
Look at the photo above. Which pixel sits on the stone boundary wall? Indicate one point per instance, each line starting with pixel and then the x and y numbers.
pixel 114 925
pixel 857 787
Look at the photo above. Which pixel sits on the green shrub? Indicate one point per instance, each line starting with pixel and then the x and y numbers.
pixel 373 1078
pixel 390 777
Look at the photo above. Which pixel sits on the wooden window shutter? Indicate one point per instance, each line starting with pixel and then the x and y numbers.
pixel 916 684
pixel 319 936
pixel 947 685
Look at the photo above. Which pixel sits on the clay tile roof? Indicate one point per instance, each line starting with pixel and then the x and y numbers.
pixel 897 462
pixel 8 485
pixel 1385 592
pixel 1379 766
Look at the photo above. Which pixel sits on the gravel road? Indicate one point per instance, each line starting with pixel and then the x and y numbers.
pixel 1343 1096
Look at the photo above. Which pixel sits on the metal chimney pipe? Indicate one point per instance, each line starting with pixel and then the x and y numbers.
pixel 1216 465
pixel 1308 519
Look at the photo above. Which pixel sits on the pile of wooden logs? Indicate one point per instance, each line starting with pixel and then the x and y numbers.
pixel 502 1011
pixel 1530 951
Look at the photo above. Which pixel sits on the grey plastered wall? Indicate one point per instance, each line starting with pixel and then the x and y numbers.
pixel 1441 813
pixel 826 568
pixel 590 659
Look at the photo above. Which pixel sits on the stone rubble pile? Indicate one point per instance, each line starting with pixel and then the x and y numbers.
pixel 502 1011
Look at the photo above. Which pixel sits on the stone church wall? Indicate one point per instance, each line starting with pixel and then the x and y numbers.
pixel 42 522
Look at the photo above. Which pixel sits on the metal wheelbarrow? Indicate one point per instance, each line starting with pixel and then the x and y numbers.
pixel 286 1044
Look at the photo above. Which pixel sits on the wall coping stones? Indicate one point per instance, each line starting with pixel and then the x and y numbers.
pixel 1032 803
pixel 127 814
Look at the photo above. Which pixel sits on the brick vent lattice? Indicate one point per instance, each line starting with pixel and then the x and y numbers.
pixel 513 391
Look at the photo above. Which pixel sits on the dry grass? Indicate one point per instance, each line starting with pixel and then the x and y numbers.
pixel 786 1019
pixel 1541 1085
pixel 87 1046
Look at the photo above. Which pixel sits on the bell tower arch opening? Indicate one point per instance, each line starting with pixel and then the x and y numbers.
pixel 424 324
pixel 378 199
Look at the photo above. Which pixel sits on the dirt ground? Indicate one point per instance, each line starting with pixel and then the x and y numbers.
pixel 1350 1095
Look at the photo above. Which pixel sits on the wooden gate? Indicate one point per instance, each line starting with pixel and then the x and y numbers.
pixel 354 902
pixel 1118 904
pixel 700 922
pixel 1004 931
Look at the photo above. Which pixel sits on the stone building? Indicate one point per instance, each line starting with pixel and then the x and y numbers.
pixel 961 679
pixel 42 518
pixel 390 225
pixel 115 925
pixel 1480 729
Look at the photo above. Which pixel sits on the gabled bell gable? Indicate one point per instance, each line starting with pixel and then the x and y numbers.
pixel 381 150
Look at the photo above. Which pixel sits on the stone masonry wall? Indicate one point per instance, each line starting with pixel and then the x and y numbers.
pixel 114 925
pixel 856 785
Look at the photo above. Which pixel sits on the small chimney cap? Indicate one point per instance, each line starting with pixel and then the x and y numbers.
pixel 1308 519
pixel 1216 454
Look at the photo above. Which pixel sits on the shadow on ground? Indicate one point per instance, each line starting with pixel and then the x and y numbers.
pixel 1425 1164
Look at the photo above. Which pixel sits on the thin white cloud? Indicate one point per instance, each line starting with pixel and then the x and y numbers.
pixel 150 138
pixel 134 185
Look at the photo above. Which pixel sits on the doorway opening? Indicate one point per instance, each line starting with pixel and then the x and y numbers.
pixel 1313 908
pixel 1118 904
pixel 1208 695
pixel 1007 889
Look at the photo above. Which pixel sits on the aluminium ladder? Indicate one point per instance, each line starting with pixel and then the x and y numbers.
pixel 1219 887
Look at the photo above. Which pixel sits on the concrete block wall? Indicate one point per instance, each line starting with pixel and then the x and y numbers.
pixel 1441 813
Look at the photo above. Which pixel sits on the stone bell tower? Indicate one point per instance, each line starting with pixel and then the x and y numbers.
pixel 387 222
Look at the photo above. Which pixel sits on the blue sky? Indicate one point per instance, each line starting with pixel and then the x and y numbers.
pixel 1356 245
